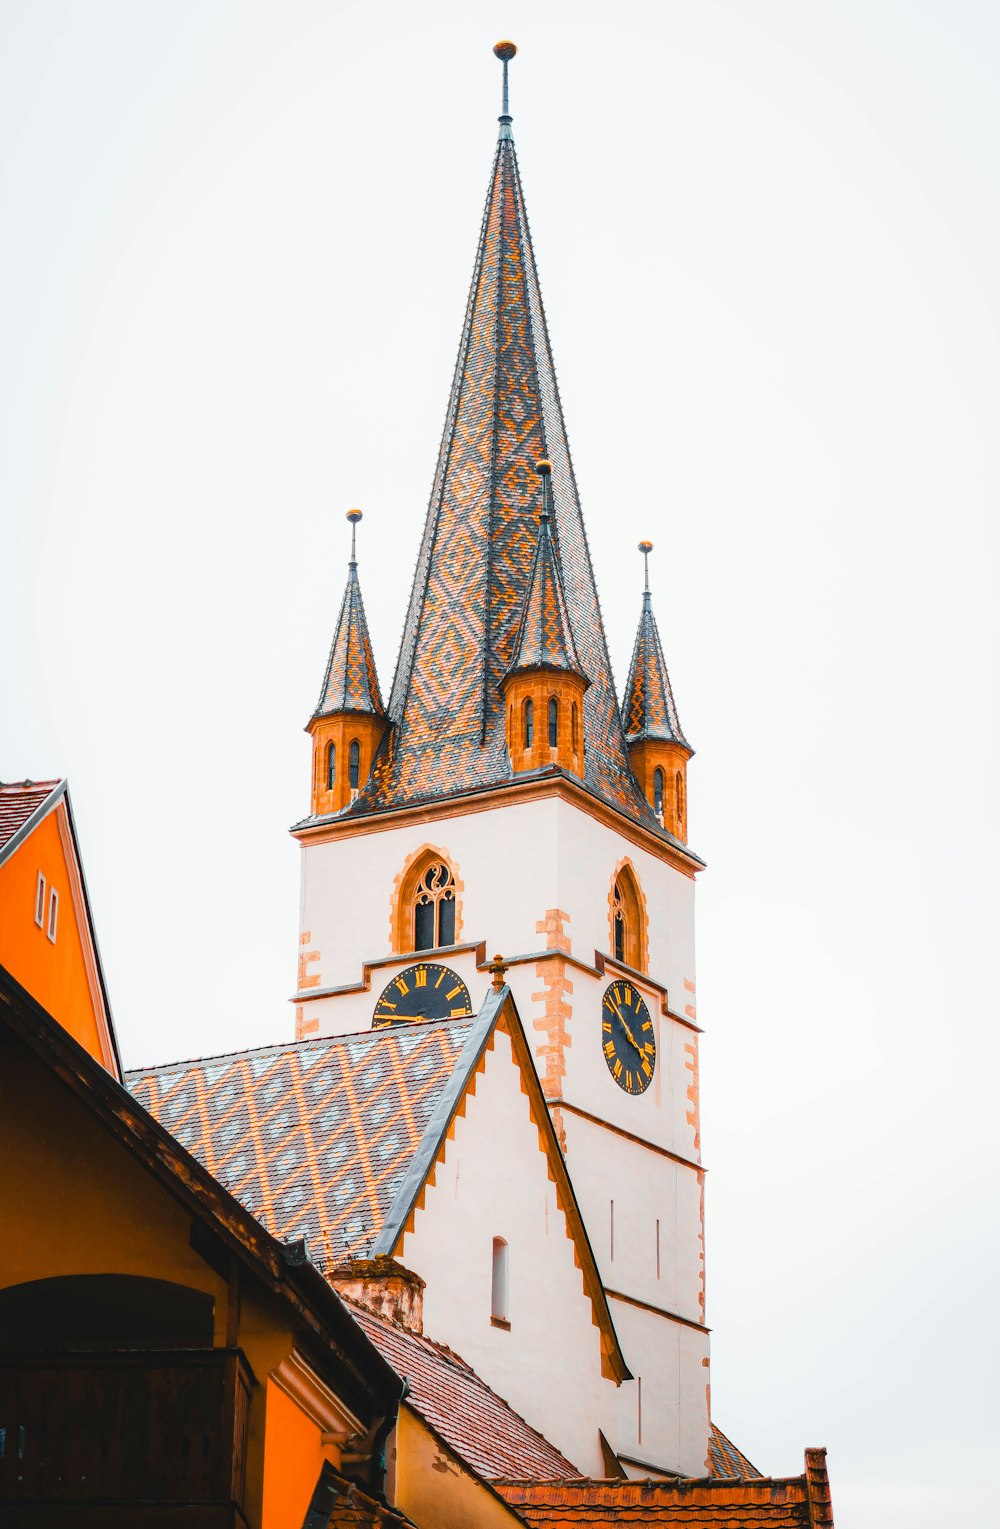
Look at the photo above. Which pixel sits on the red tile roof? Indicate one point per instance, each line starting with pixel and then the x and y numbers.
pixel 18 800
pixel 765 1502
pixel 473 1420
pixel 725 1459
pixel 314 1137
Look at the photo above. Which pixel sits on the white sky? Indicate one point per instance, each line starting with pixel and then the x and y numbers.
pixel 236 242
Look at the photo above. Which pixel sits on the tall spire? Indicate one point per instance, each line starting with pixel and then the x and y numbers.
pixel 649 710
pixel 351 681
pixel 478 546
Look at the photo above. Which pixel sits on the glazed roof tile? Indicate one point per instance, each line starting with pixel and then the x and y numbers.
pixel 476 1423
pixel 20 800
pixel 478 545
pixel 314 1137
pixel 351 680
pixel 544 636
pixel 796 1502
pixel 725 1459
pixel 649 710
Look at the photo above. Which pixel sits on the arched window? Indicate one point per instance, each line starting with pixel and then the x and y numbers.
pixel 499 1297
pixel 331 765
pixel 354 766
pixel 553 723
pixel 628 920
pixel 658 793
pixel 434 908
pixel 529 723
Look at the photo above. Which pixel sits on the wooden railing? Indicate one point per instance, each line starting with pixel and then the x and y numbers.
pixel 129 1426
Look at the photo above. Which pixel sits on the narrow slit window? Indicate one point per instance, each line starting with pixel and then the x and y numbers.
pixel 53 914
pixel 679 791
pixel 573 726
pixel 499 1294
pixel 553 723
pixel 658 792
pixel 331 765
pixel 40 901
pixel 354 765
pixel 529 724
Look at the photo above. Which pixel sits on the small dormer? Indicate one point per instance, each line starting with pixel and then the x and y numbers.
pixel 658 750
pixel 544 685
pixel 349 721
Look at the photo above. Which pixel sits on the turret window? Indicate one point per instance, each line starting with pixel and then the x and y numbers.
pixel 529 724
pixel 574 725
pixel 679 798
pixel 354 765
pixel 331 766
pixel 553 723
pixel 658 793
pixel 434 908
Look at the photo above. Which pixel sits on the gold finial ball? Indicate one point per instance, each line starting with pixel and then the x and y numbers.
pixel 354 516
pixel 543 467
pixel 645 547
pixel 505 50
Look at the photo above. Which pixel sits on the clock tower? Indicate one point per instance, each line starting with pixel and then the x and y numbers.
pixel 503 800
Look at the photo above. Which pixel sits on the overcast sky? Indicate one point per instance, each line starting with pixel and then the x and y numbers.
pixel 235 242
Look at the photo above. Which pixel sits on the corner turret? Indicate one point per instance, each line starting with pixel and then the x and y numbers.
pixel 349 720
pixel 658 749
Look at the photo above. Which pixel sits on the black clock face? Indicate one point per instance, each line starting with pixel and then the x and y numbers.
pixel 424 991
pixel 627 1038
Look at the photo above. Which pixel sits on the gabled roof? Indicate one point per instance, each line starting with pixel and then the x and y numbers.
pixel 475 559
pixel 649 710
pixel 544 636
pixel 790 1502
pixel 315 1137
pixel 23 804
pixel 469 1416
pixel 351 680
pixel 725 1459
pixel 370 1382
pixel 333 1140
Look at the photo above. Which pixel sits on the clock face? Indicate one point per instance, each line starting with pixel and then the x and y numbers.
pixel 424 991
pixel 627 1038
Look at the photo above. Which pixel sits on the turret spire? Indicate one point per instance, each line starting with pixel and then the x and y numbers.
pixel 657 747
pixel 351 680
pixel 544 636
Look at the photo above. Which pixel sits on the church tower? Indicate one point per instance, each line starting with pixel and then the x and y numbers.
pixel 502 801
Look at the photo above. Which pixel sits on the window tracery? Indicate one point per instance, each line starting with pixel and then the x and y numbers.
pixel 629 923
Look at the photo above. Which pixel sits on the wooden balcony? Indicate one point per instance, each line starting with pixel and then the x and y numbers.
pixel 123 1437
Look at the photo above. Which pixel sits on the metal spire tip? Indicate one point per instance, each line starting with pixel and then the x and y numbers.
pixel 646 548
pixel 505 51
pixel 354 516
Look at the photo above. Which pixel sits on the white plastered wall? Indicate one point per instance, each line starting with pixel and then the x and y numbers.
pixel 493 1182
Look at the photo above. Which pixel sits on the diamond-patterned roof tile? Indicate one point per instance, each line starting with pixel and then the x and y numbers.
pixel 649 710
pixel 351 680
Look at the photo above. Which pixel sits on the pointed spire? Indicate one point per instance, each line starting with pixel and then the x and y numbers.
pixel 351 681
pixel 649 710
pixel 544 637
pixel 479 542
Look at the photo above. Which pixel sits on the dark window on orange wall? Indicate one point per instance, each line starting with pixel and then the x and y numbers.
pixel 355 765
pixel 331 765
pixel 658 791
pixel 553 723
pixel 529 724
pixel 573 724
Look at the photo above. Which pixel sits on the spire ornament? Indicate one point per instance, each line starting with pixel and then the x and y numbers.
pixel 505 51
pixel 354 516
pixel 646 548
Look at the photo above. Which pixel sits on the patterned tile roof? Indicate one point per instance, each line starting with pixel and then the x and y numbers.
pixel 793 1502
pixel 544 637
pixel 725 1459
pixel 314 1137
pixel 477 550
pixel 351 681
pixel 649 710
pixel 19 799
pixel 470 1417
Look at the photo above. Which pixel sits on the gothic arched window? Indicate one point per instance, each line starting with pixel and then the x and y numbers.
pixel 553 723
pixel 434 908
pixel 658 793
pixel 529 723
pixel 628 920
pixel 331 765
pixel 354 766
